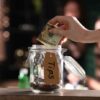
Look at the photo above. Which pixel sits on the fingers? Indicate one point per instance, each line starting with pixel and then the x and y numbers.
pixel 58 31
pixel 59 19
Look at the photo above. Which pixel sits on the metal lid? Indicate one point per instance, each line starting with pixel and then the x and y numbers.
pixel 73 67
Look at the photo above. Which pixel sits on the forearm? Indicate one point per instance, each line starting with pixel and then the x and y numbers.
pixel 90 36
pixel 80 34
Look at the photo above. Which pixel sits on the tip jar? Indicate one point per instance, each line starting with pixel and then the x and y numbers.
pixel 46 68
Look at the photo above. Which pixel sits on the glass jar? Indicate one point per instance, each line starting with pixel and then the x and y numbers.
pixel 46 68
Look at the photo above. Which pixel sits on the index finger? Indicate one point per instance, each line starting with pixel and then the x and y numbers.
pixel 58 19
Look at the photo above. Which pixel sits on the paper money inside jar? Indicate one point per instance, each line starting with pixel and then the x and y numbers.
pixel 46 68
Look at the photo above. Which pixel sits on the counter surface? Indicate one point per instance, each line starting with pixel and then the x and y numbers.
pixel 26 94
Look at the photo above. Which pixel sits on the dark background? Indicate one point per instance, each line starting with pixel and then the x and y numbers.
pixel 35 15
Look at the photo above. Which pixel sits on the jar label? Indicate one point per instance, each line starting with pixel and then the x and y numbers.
pixel 51 69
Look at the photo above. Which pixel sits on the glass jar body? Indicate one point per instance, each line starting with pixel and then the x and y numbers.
pixel 45 76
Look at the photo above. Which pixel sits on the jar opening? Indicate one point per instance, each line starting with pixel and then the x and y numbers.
pixel 37 47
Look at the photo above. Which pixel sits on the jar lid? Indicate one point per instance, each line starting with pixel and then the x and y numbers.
pixel 73 67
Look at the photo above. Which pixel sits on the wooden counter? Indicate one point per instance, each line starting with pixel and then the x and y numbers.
pixel 16 94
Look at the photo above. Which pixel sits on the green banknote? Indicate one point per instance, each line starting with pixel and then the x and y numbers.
pixel 47 38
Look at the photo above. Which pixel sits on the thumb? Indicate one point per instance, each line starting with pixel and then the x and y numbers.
pixel 58 31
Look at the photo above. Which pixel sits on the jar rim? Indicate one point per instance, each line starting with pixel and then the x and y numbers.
pixel 45 47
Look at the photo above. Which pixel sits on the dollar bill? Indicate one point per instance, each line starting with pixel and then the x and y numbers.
pixel 48 38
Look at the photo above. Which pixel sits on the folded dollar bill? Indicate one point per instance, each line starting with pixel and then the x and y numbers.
pixel 48 38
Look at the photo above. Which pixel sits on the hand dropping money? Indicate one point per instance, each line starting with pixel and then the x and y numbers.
pixel 50 39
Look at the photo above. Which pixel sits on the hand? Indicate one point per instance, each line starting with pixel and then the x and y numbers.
pixel 72 29
pixel 68 27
